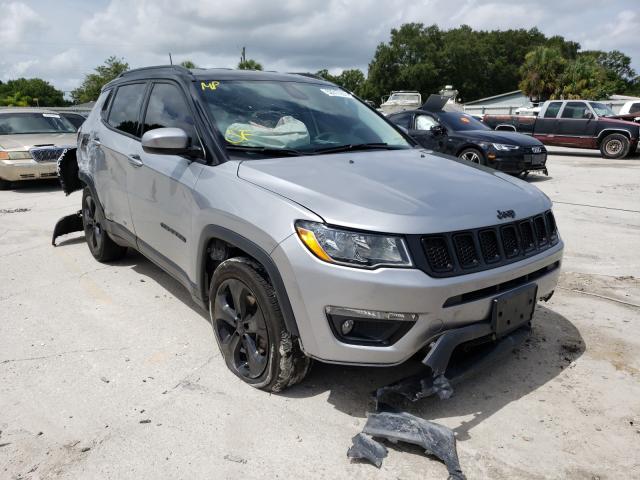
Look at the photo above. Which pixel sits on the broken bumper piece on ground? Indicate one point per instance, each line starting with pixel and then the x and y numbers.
pixel 68 176
pixel 69 224
pixel 436 439
pixel 366 448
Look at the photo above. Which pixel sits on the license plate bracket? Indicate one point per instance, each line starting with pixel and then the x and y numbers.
pixel 513 309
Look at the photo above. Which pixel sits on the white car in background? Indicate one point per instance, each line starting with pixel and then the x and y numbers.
pixel 31 141
pixel 632 106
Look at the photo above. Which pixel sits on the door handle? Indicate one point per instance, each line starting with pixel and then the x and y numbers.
pixel 135 160
pixel 96 142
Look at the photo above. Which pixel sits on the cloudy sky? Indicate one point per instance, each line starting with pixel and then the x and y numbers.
pixel 63 40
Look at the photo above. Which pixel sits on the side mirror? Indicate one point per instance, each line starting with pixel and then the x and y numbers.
pixel 587 114
pixel 438 130
pixel 167 141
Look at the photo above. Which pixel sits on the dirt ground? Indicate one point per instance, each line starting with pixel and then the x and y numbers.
pixel 110 371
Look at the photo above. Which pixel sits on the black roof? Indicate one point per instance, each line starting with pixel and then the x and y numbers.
pixel 195 74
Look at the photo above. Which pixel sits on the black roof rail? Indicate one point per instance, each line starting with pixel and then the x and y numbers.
pixel 178 68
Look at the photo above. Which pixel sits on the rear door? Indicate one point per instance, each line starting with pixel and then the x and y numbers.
pixel 161 186
pixel 119 138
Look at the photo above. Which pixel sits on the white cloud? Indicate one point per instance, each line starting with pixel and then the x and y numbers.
pixel 289 35
pixel 18 20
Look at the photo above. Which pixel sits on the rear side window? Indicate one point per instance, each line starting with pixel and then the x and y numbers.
pixel 105 105
pixel 635 108
pixel 552 110
pixel 575 110
pixel 125 110
pixel 168 108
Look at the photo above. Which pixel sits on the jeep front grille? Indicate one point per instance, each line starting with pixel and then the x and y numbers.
pixel 457 253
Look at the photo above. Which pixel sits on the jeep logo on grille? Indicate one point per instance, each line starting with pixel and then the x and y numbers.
pixel 502 214
pixel 536 149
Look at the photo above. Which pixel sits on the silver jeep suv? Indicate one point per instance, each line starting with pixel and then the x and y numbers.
pixel 306 223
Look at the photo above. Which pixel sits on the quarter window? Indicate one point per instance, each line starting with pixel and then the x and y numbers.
pixel 635 108
pixel 168 108
pixel 126 108
pixel 552 110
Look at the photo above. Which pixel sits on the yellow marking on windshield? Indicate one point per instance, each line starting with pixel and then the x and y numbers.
pixel 237 136
pixel 209 86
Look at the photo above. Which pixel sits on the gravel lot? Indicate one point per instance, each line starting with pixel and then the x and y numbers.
pixel 110 371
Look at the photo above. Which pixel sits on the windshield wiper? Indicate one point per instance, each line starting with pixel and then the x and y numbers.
pixel 284 152
pixel 357 146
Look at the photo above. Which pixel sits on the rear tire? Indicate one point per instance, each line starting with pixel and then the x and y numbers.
pixel 249 328
pixel 615 146
pixel 4 185
pixel 472 155
pixel 100 244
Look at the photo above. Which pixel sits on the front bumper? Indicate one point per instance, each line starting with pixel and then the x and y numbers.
pixel 516 162
pixel 312 285
pixel 18 170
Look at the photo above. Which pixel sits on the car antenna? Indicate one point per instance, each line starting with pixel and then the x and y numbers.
pixel 170 59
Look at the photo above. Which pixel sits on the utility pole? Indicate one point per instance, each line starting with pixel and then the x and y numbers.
pixel 170 59
pixel 243 57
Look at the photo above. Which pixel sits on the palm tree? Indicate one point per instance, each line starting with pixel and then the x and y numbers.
pixel 542 72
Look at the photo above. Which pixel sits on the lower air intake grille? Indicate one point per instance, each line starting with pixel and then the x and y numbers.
pixel 459 253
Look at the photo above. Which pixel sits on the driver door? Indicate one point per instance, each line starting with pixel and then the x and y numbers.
pixel 160 187
pixel 421 131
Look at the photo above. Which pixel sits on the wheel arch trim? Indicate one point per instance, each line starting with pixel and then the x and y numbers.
pixel 211 232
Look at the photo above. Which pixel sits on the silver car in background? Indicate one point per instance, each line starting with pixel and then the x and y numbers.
pixel 31 141
pixel 306 223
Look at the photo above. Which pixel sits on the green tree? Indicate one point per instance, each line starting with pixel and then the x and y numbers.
pixel 249 64
pixel 586 78
pixel 353 80
pixel 188 64
pixel 542 73
pixel 33 91
pixel 93 82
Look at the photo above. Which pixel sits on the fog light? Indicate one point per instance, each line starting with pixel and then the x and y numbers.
pixel 346 327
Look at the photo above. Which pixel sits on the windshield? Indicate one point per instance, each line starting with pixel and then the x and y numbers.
pixel 31 122
pixel 458 122
pixel 601 109
pixel 305 118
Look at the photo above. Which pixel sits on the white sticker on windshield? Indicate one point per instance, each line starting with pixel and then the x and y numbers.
pixel 51 115
pixel 336 92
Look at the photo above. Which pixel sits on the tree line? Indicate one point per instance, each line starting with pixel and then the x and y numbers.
pixel 478 63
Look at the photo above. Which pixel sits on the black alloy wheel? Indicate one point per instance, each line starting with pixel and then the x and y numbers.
pixel 241 329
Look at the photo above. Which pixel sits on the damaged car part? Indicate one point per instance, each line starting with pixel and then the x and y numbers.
pixel 70 223
pixel 441 376
pixel 366 448
pixel 436 439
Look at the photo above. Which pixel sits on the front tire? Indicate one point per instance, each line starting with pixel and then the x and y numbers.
pixel 249 328
pixel 100 244
pixel 472 155
pixel 4 185
pixel 615 146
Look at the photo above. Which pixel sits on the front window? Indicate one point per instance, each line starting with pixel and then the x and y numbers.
pixel 601 109
pixel 461 122
pixel 300 117
pixel 31 122
pixel 425 122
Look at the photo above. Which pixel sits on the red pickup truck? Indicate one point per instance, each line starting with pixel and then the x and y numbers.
pixel 574 123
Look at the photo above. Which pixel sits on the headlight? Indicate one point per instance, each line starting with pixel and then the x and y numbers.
pixel 355 249
pixel 5 155
pixel 505 148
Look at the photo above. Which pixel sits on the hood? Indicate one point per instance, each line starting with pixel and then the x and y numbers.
pixel 401 191
pixel 511 138
pixel 23 142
